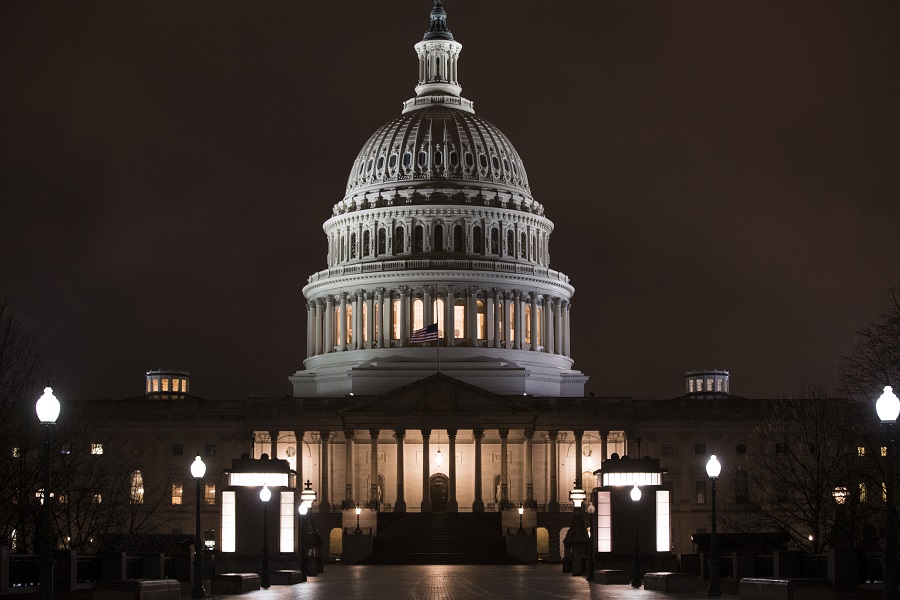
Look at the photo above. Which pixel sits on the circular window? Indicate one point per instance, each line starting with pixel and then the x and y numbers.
pixel 740 449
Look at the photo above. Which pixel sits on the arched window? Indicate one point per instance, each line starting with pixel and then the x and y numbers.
pixel 398 240
pixel 512 322
pixel 419 239
pixel 366 242
pixel 343 255
pixel 501 329
pixel 439 316
pixel 459 319
pixel 495 241
pixel 395 320
pixel 382 241
pixel 523 246
pixel 353 245
pixel 365 322
pixel 482 324
pixel 458 239
pixel 532 248
pixel 418 316
pixel 349 323
pixel 438 238
pixel 510 243
pixel 527 323
pixel 540 326
pixel 477 241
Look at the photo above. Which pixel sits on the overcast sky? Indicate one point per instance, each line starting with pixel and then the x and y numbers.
pixel 722 176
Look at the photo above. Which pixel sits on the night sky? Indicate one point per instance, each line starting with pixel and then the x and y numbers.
pixel 723 176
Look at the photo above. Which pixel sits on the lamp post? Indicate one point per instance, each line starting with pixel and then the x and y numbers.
pixel 636 571
pixel 591 511
pixel 357 531
pixel 713 468
pixel 521 510
pixel 307 497
pixel 888 408
pixel 198 470
pixel 47 408
pixel 265 494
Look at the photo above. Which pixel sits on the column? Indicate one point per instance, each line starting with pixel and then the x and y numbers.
pixel 273 444
pixel 329 324
pixel 566 330
pixel 386 311
pixel 318 326
pixel 426 471
pixel 452 504
pixel 374 495
pixel 400 504
pixel 324 506
pixel 507 322
pixel 604 447
pixel 428 306
pixel 478 504
pixel 528 466
pixel 520 321
pixel 557 325
pixel 534 322
pixel 404 316
pixel 448 308
pixel 504 471
pixel 298 436
pixel 350 475
pixel 342 326
pixel 490 325
pixel 370 322
pixel 310 329
pixel 356 336
pixel 553 505
pixel 496 318
pixel 471 332
pixel 579 436
pixel 548 324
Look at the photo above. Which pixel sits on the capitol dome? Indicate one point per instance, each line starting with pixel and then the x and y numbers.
pixel 438 227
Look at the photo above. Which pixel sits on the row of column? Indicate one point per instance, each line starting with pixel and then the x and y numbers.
pixel 493 318
pixel 373 499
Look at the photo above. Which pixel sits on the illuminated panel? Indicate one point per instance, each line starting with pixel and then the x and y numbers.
pixel 286 535
pixel 629 479
pixel 663 543
pixel 258 479
pixel 228 533
pixel 604 523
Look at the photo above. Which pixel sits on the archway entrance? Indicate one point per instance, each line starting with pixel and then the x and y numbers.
pixel 438 486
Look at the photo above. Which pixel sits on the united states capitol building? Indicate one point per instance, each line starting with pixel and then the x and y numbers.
pixel 438 225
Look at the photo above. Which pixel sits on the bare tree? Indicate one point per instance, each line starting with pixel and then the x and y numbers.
pixel 873 359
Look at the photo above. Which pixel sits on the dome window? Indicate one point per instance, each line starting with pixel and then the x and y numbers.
pixel 380 163
pixel 470 160
pixel 506 164
pixel 423 159
pixel 407 160
pixel 369 166
pixel 392 161
pixel 495 162
pixel 482 159
pixel 515 169
pixel 438 158
pixel 454 159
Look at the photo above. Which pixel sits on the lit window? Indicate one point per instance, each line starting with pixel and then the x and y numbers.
pixel 459 320
pixel 16 452
pixel 287 521
pixel 540 326
pixel 718 385
pixel 439 315
pixel 148 386
pixel 395 320
pixel 663 542
pixel 700 488
pixel 527 323
pixel 418 315
pixel 96 448
pixel 137 488
pixel 691 386
pixel 228 522
pixel 365 322
pixel 177 494
pixel 97 498
pixel 512 322
pixel 604 522
pixel 863 493
pixel 165 384
pixel 861 450
pixel 176 385
pixel 209 494
pixel 883 492
pixel 349 323
pixel 156 385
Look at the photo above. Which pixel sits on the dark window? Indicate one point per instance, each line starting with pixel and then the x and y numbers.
pixel 495 162
pixel 438 158
pixel 407 160
pixel 177 450
pixel 369 165
pixel 454 159
pixel 210 450
pixel 523 246
pixel 780 448
pixel 700 491
pixel 470 160
pixel 419 239
pixel 382 241
pixel 699 449
pixel 495 241
pixel 366 240
pixel 741 487
pixel 380 163
pixel 438 238
pixel 458 239
pixel 398 240
pixel 477 242
pixel 392 161
pixel 423 158
pixel 482 160
pixel 506 164
pixel 352 245
pixel 510 243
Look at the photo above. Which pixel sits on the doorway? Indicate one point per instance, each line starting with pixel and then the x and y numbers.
pixel 438 492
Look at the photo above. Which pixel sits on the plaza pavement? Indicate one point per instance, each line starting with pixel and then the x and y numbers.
pixel 458 582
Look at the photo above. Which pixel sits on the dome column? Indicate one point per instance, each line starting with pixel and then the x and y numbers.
pixel 310 329
pixel 495 319
pixel 385 335
pixel 450 313
pixel 342 326
pixel 374 500
pixel 400 503
pixel 558 324
pixel 549 346
pixel 324 505
pixel 519 319
pixel 534 322
pixel 478 504
pixel 489 318
pixel 379 300
pixel 507 322
pixel 404 316
pixel 471 300
pixel 427 306
pixel 528 466
pixel 329 324
pixel 318 325
pixel 566 330
pixel 370 322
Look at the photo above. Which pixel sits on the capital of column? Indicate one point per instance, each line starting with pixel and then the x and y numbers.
pixel 426 433
pixel 399 434
pixel 373 433
pixel 552 435
pixel 504 433
pixel 324 435
pixel 451 433
pixel 368 295
pixel 350 434
pixel 578 434
pixel 404 290
pixel 478 434
pixel 528 434
pixel 329 301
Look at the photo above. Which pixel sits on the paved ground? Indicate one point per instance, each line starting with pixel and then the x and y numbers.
pixel 457 582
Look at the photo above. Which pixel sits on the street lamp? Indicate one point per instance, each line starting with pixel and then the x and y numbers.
pixel 198 470
pixel 591 511
pixel 636 571
pixel 713 468
pixel 357 531
pixel 888 408
pixel 47 408
pixel 307 497
pixel 521 510
pixel 577 496
pixel 265 494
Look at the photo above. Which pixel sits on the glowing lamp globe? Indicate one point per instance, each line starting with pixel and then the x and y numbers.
pixel 265 494
pixel 47 407
pixel 198 468
pixel 577 496
pixel 521 510
pixel 635 493
pixel 887 406
pixel 308 495
pixel 439 458
pixel 713 467
pixel 303 508
pixel 588 463
pixel 358 511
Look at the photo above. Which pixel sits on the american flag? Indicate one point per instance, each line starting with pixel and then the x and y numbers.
pixel 429 333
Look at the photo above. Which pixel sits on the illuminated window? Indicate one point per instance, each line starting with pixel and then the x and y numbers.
pixel 97 498
pixel 177 494
pixel 395 320
pixel 863 493
pixel 700 489
pixel 349 315
pixel 691 386
pixel 155 385
pixel 663 542
pixel 228 522
pixel 709 385
pixel 439 315
pixel 884 450
pixel 499 317
pixel 288 518
pixel 540 326
pixel 165 384
pixel 459 319
pixel 365 321
pixel 176 385
pixel 418 314
pixel 16 452
pixel 604 522
pixel 184 385
pixel 148 386
pixel 336 324
pixel 883 492
pixel 353 242
pixel 482 329
pixel 209 494
pixel 719 385
pixel 861 450
pixel 137 488
pixel 527 323
pixel 96 448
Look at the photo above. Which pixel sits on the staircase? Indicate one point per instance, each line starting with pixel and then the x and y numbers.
pixel 439 539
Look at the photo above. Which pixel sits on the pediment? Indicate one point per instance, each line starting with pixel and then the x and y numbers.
pixel 438 399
